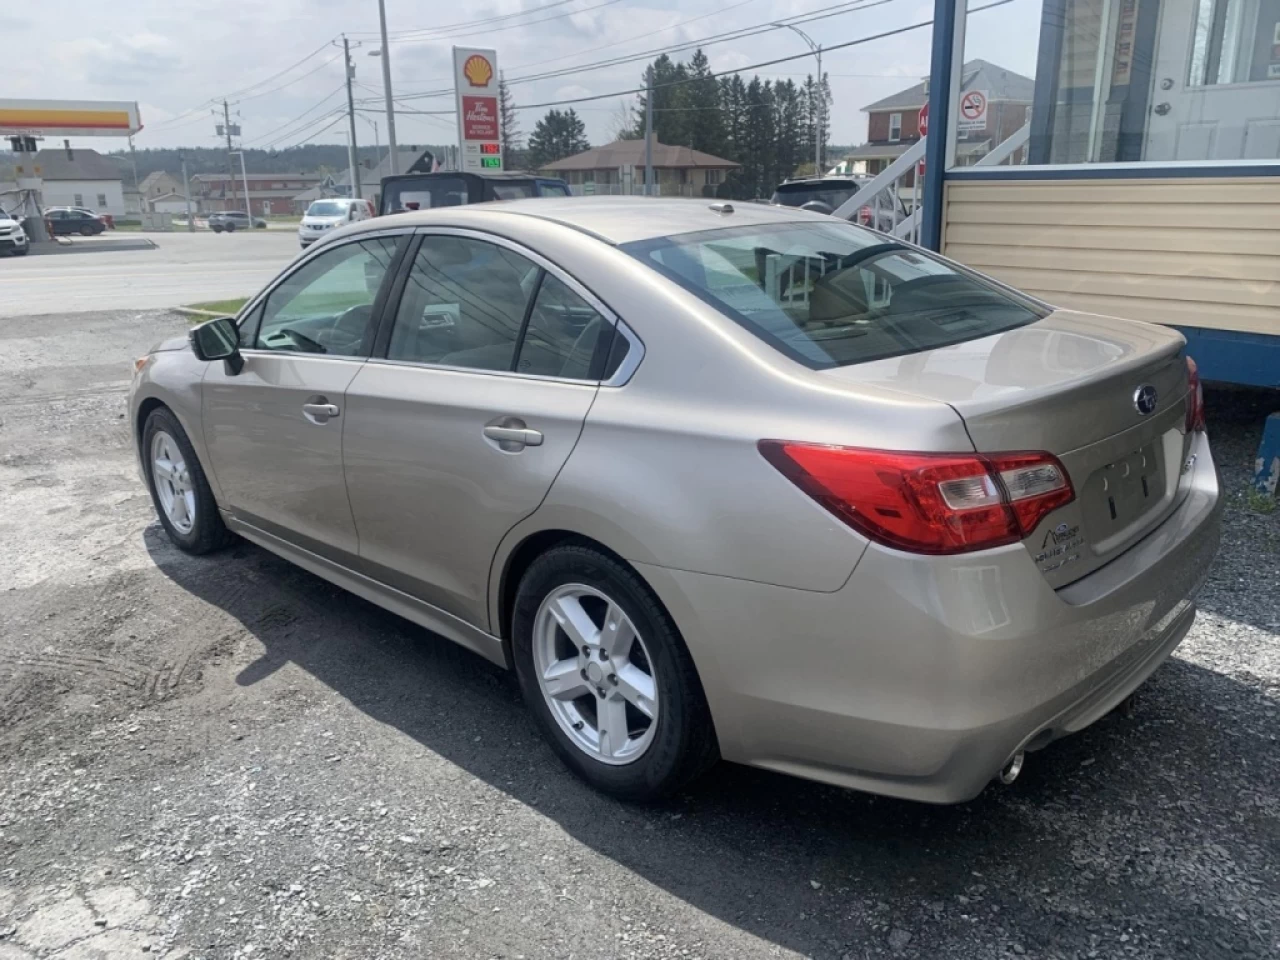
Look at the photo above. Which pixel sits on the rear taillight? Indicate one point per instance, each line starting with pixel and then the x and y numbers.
pixel 1195 399
pixel 935 503
pixel 864 216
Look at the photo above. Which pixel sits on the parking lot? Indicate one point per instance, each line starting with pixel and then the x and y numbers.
pixel 227 757
pixel 183 268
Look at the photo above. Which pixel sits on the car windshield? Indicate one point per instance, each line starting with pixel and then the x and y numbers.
pixel 833 294
pixel 326 208
pixel 832 194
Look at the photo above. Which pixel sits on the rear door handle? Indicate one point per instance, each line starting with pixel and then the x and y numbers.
pixel 516 436
pixel 319 413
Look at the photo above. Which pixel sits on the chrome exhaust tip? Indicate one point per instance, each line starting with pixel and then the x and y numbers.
pixel 1009 772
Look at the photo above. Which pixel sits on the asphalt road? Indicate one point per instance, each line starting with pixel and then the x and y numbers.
pixel 184 268
pixel 226 757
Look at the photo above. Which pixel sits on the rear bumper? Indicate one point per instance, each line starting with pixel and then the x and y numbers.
pixel 922 676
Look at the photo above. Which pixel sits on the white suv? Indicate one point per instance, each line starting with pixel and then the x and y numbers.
pixel 324 215
pixel 13 239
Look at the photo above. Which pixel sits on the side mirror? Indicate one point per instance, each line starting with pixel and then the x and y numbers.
pixel 218 340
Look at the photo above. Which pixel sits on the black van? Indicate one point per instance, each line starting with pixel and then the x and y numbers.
pixel 425 191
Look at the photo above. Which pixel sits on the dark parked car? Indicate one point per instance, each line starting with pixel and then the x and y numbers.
pixel 826 194
pixel 64 221
pixel 233 220
pixel 424 191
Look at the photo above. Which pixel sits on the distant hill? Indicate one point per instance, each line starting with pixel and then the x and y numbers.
pixel 308 158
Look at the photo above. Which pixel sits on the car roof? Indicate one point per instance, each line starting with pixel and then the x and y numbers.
pixel 615 220
pixel 818 181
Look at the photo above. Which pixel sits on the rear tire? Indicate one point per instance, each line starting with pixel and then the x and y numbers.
pixel 87 231
pixel 654 757
pixel 230 228
pixel 195 526
pixel 216 229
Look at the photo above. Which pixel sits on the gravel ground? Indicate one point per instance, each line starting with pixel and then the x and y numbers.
pixel 227 757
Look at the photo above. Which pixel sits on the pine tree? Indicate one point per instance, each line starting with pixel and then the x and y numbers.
pixel 706 118
pixel 556 136
pixel 508 123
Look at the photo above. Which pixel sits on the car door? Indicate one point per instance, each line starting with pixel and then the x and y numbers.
pixel 274 429
pixel 456 429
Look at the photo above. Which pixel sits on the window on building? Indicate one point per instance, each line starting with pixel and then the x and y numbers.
pixel 78 200
pixel 1124 81
pixel 102 201
pixel 895 127
pixel 715 177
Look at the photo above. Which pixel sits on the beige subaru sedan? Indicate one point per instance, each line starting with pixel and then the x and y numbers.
pixel 715 480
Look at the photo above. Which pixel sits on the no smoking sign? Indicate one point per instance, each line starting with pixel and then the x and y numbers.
pixel 973 110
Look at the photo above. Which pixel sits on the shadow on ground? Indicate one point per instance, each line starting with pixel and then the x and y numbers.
pixel 1105 832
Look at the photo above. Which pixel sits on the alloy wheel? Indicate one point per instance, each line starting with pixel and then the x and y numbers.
pixel 174 486
pixel 595 674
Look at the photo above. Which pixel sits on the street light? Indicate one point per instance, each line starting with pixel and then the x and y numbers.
pixel 822 100
pixel 385 55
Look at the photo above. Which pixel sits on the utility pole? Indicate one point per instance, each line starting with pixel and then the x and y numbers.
pixel 352 150
pixel 821 114
pixel 386 89
pixel 820 92
pixel 248 205
pixel 186 193
pixel 648 134
pixel 231 173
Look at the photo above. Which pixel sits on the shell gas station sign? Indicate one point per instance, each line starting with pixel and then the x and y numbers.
pixel 475 80
pixel 68 118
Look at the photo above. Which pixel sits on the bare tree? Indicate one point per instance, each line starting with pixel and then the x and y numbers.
pixel 624 122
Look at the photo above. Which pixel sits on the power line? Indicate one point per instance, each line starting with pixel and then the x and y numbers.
pixel 280 130
pixel 725 73
pixel 513 26
pixel 821 13
pixel 464 23
pixel 289 83
pixel 244 90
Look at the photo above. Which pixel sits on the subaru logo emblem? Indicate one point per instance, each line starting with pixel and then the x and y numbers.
pixel 1145 399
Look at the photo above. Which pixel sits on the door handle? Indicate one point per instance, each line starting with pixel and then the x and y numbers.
pixel 319 412
pixel 516 436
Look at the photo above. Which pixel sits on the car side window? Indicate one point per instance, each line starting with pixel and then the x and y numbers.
pixel 464 304
pixel 326 305
pixel 563 333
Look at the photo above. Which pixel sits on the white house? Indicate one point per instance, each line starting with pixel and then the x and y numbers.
pixel 84 179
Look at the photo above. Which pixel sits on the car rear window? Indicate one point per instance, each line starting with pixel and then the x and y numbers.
pixel 425 194
pixel 798 194
pixel 830 294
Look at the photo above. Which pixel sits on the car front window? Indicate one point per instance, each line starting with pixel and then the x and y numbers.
pixel 325 306
pixel 325 208
pixel 829 294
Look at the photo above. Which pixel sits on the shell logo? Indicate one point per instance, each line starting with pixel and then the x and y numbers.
pixel 478 70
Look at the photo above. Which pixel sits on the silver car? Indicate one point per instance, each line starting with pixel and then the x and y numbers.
pixel 716 481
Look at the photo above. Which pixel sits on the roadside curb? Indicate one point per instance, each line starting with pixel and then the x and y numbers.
pixel 196 312
pixel 91 245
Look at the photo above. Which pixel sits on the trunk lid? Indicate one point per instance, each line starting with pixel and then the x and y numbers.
pixel 1068 385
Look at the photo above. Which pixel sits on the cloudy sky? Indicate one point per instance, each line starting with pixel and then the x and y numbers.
pixel 273 59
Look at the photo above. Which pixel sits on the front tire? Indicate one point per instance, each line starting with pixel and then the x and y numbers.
pixel 230 228
pixel 216 229
pixel 604 669
pixel 178 486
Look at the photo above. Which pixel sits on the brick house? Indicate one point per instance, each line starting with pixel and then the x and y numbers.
pixel 893 124
pixel 268 192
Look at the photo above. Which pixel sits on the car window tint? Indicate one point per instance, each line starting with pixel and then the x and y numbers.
pixel 562 334
pixel 828 294
pixel 463 305
pixel 326 305
pixel 512 191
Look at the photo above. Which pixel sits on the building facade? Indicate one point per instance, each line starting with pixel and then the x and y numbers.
pixel 997 103
pixel 81 178
pixel 269 193
pixel 618 168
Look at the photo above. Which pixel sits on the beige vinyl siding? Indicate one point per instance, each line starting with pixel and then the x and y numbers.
pixel 1202 252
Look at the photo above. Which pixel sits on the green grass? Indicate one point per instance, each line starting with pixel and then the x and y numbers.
pixel 1260 502
pixel 228 308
